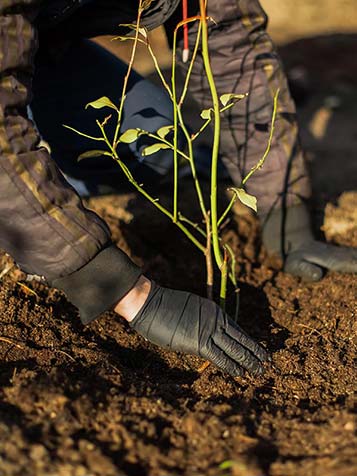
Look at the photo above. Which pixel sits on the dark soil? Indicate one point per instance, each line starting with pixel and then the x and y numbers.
pixel 101 401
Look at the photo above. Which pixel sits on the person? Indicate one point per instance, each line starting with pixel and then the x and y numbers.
pixel 46 60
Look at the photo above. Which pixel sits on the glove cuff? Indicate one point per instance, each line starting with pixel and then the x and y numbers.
pixel 101 283
pixel 286 229
pixel 136 321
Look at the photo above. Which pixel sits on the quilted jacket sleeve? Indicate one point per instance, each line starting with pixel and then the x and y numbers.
pixel 43 223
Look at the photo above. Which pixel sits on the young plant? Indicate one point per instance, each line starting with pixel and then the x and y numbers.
pixel 207 238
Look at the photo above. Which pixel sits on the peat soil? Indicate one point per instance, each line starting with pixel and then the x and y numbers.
pixel 101 401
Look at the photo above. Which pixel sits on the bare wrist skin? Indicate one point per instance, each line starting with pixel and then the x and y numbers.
pixel 133 301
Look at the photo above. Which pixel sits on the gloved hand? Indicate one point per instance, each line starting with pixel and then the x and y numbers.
pixel 289 234
pixel 188 323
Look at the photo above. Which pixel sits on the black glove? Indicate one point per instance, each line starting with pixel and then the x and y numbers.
pixel 186 322
pixel 289 234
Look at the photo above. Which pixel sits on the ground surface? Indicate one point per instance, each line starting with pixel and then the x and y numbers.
pixel 101 401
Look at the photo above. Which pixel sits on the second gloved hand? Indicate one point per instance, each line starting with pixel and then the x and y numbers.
pixel 289 235
pixel 185 322
pixel 311 259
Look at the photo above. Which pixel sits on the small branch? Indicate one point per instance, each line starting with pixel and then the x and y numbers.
pixel 158 69
pixel 196 226
pixel 126 79
pixel 208 121
pixel 190 68
pixel 11 342
pixel 260 164
pixel 105 137
pixel 147 43
pixel 192 164
pixel 227 210
pixel 232 274
pixel 6 270
pixel 155 202
pixel 100 139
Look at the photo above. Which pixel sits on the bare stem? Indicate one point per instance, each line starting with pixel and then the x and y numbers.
pixel 158 69
pixel 100 139
pixel 153 57
pixel 227 210
pixel 224 275
pixel 126 79
pixel 194 225
pixel 260 164
pixel 190 68
pixel 175 111
pixel 192 164
pixel 216 135
pixel 209 261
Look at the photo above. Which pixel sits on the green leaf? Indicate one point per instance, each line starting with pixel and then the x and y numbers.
pixel 226 98
pixel 206 113
pixel 130 135
pixel 226 464
pixel 154 148
pixel 248 200
pixel 93 153
pixel 163 131
pixel 102 102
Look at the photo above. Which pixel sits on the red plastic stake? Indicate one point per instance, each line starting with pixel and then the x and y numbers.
pixel 185 51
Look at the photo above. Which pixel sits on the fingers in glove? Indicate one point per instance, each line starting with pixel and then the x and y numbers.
pixel 297 266
pixel 334 258
pixel 223 361
pixel 239 335
pixel 239 354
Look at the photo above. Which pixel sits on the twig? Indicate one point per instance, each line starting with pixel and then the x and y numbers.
pixel 6 270
pixel 209 261
pixel 260 164
pixel 130 67
pixel 216 135
pixel 27 289
pixel 64 353
pixel 204 366
pixel 158 205
pixel 312 329
pixel 224 275
pixel 11 342
pixel 23 346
